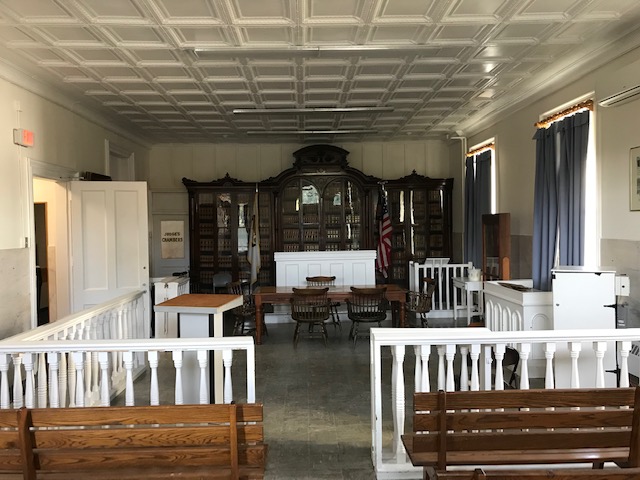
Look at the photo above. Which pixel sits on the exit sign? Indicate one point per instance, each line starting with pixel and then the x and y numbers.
pixel 23 137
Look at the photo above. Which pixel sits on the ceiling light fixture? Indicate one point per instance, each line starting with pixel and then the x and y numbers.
pixel 311 110
pixel 308 132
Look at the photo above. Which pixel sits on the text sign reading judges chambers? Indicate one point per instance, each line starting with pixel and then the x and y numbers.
pixel 172 239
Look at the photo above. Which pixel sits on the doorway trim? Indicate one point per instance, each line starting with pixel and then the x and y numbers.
pixel 36 169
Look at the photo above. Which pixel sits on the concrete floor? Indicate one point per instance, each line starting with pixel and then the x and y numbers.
pixel 317 406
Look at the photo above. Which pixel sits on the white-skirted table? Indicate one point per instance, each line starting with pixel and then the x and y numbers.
pixel 199 316
pixel 467 288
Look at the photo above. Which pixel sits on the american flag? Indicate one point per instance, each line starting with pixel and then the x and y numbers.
pixel 384 236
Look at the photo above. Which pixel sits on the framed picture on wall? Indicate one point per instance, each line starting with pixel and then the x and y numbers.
pixel 634 179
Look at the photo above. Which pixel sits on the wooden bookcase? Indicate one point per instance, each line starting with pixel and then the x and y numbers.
pixel 421 216
pixel 319 204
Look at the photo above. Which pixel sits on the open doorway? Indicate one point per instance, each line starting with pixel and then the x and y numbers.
pixel 51 245
pixel 42 272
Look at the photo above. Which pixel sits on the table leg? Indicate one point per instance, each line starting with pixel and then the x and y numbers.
pixel 259 319
pixel 402 314
pixel 218 368
pixel 455 302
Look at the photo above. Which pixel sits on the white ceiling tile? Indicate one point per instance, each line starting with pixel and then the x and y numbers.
pixel 439 63
pixel 269 35
pixel 344 9
pixel 332 35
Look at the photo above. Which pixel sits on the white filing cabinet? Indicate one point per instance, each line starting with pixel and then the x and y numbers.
pixel 584 299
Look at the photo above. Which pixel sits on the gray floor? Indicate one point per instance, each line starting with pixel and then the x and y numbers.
pixel 316 400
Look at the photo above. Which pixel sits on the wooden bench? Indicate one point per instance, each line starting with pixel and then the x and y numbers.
pixel 524 427
pixel 183 441
pixel 545 474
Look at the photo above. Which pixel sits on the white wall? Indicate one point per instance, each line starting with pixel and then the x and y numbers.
pixel 616 132
pixel 169 163
pixel 65 136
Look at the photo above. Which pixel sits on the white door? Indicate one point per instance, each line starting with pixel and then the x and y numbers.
pixel 109 241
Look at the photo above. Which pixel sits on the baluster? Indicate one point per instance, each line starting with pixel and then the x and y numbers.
pixel 549 352
pixel 417 371
pixel 499 354
pixel 464 369
pixel 227 361
pixel 78 361
pixel 485 373
pixel 601 349
pixel 154 392
pixel 54 386
pixel 88 379
pixel 42 381
pixel 62 380
pixel 18 396
pixel 425 382
pixel 177 362
pixel 127 358
pixel 4 381
pixel 450 354
pixel 575 349
pixel 474 353
pixel 100 327
pixel 203 361
pixel 251 375
pixel 398 399
pixel 103 360
pixel 525 351
pixel 625 348
pixel 29 396
pixel 441 372
pixel 71 376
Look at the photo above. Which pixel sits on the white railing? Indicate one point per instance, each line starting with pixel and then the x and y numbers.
pixel 117 319
pixel 122 317
pixel 166 324
pixel 472 350
pixel 442 272
pixel 77 373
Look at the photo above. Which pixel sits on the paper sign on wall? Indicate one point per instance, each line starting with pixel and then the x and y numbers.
pixel 172 238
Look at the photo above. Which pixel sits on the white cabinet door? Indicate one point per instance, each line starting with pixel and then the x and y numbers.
pixel 109 241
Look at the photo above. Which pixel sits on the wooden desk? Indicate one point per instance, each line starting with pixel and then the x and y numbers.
pixel 281 295
pixel 194 321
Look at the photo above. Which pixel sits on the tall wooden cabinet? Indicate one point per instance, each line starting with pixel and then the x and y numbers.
pixel 421 216
pixel 322 203
pixel 220 215
pixel 319 204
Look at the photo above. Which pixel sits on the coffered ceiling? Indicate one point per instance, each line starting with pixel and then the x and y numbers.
pixel 174 70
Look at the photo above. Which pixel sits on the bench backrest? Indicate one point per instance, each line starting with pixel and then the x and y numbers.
pixel 14 449
pixel 112 438
pixel 487 422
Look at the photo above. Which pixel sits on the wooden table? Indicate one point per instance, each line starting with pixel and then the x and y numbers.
pixel 281 295
pixel 195 312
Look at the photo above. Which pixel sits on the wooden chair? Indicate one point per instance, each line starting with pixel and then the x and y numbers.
pixel 366 305
pixel 245 313
pixel 324 281
pixel 420 302
pixel 310 306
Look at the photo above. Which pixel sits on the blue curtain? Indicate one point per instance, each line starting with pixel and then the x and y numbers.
pixel 545 208
pixel 469 211
pixel 574 138
pixel 559 196
pixel 477 203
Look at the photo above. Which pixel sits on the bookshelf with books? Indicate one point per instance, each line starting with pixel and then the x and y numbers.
pixel 220 214
pixel 420 209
